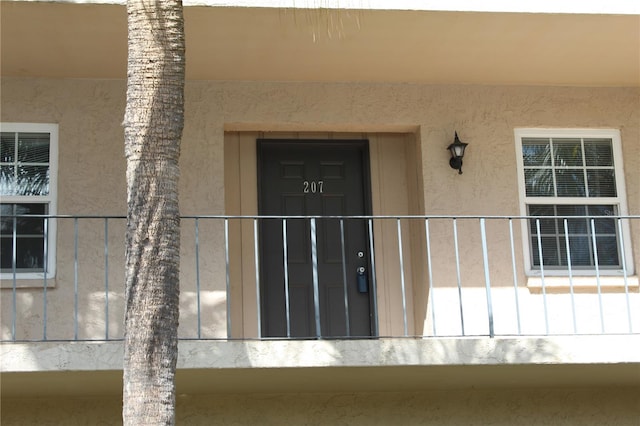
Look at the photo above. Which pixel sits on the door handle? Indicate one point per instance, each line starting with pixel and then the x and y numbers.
pixel 363 282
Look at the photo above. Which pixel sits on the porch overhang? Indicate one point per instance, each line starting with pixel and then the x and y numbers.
pixel 95 368
pixel 431 46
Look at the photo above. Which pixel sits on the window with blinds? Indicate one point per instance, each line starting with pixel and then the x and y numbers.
pixel 572 187
pixel 27 186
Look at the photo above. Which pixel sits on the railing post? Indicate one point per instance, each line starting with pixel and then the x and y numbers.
pixel 75 278
pixel 544 289
pixel 316 287
pixel 402 281
pixel 45 255
pixel 455 242
pixel 14 270
pixel 106 278
pixel 257 266
pixel 285 260
pixel 228 274
pixel 430 269
pixel 597 266
pixel 487 280
pixel 570 269
pixel 374 283
pixel 515 274
pixel 623 260
pixel 344 279
pixel 197 254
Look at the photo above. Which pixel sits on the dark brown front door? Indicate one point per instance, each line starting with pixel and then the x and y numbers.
pixel 329 288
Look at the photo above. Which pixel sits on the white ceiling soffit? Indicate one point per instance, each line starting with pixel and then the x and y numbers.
pixel 606 7
pixel 71 40
pixel 631 7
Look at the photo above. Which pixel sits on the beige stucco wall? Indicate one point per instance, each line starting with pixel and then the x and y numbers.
pixel 91 173
pixel 558 407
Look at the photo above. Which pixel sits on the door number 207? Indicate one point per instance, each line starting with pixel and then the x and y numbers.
pixel 312 187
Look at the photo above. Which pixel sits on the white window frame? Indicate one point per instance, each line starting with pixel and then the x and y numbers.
pixel 50 199
pixel 620 200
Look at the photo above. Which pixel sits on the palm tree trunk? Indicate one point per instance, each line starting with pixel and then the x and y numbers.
pixel 153 124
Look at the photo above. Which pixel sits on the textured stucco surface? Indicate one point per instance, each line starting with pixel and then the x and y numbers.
pixel 91 149
pixel 91 174
pixel 270 354
pixel 557 407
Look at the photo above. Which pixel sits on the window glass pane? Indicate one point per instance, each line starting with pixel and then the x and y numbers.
pixel 25 172
pixel 602 183
pixel 575 226
pixel 7 180
pixel 539 182
pixel 570 183
pixel 33 147
pixel 602 210
pixel 29 236
pixel 30 252
pixel 24 225
pixel 580 236
pixel 603 225
pixel 571 210
pixel 536 152
pixel 541 210
pixel 28 225
pixel 550 253
pixel 567 152
pixel 547 226
pixel 6 210
pixel 598 152
pixel 607 251
pixel 580 247
pixel 33 180
pixel 7 147
pixel 6 253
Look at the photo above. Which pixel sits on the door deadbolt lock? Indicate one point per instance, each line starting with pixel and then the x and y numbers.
pixel 363 283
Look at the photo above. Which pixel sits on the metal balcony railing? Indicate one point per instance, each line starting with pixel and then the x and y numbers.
pixel 426 276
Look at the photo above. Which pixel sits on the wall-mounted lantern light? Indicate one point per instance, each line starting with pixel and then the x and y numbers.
pixel 457 152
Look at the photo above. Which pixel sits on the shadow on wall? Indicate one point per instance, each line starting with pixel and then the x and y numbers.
pixel 562 407
pixel 85 301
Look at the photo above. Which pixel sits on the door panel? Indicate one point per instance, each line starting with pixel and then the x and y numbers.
pixel 313 178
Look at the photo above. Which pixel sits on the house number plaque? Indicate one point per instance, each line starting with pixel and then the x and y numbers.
pixel 312 187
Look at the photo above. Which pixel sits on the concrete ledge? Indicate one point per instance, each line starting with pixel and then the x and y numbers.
pixel 55 369
pixel 384 352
